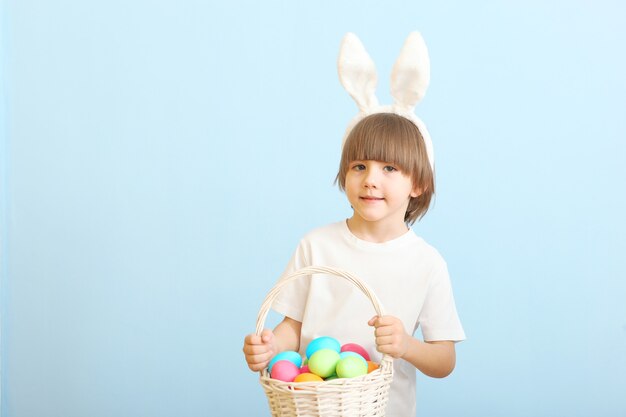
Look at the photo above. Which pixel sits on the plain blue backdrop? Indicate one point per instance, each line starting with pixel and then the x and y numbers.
pixel 161 159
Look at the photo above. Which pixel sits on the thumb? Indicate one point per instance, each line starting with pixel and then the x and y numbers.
pixel 372 321
pixel 267 336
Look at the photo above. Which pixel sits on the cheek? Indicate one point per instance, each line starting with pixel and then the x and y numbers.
pixel 351 190
pixel 351 182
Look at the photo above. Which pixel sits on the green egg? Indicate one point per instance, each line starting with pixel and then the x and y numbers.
pixel 350 367
pixel 323 362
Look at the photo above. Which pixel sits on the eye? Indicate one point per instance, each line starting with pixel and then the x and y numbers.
pixel 389 168
pixel 358 167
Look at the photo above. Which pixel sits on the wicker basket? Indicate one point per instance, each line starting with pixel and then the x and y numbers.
pixel 349 397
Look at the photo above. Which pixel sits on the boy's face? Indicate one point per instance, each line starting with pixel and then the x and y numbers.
pixel 378 192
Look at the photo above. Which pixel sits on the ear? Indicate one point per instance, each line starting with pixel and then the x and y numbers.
pixel 357 72
pixel 411 73
pixel 417 192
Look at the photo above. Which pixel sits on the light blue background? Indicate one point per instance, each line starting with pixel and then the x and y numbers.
pixel 161 159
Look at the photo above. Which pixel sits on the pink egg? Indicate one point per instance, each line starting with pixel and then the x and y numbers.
pixel 285 370
pixel 353 347
pixel 305 369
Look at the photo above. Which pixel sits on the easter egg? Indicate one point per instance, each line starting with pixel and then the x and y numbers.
pixel 323 362
pixel 353 347
pixel 350 367
pixel 372 366
pixel 308 377
pixel 324 342
pixel 285 370
pixel 288 355
pixel 349 353
pixel 305 369
pixel 330 378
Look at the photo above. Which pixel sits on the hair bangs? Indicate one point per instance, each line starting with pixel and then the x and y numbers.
pixel 384 138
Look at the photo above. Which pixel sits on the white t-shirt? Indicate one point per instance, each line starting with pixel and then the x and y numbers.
pixel 409 277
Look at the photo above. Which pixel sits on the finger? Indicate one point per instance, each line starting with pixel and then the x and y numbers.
pixel 386 321
pixel 253 339
pixel 389 350
pixel 259 359
pixel 385 341
pixel 258 366
pixel 256 349
pixel 383 331
pixel 378 321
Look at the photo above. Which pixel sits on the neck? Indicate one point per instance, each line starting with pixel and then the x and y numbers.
pixel 375 231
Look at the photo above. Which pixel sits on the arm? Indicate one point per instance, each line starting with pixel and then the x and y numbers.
pixel 259 350
pixel 287 334
pixel 435 359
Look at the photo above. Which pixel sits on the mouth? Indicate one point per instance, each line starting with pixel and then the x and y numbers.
pixel 371 198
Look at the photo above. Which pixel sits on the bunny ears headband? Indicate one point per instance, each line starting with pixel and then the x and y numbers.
pixel 409 80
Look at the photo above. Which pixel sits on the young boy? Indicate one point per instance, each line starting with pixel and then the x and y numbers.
pixel 386 173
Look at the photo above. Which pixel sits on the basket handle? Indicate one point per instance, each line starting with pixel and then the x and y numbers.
pixel 311 270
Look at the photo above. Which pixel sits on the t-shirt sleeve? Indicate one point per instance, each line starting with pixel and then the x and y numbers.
pixel 291 300
pixel 439 319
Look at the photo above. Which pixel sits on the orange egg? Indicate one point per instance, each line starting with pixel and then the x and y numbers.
pixel 308 377
pixel 372 366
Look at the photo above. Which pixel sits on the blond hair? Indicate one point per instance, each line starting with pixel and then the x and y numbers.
pixel 391 138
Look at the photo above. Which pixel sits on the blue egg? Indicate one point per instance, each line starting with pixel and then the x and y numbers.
pixel 324 342
pixel 348 353
pixel 288 355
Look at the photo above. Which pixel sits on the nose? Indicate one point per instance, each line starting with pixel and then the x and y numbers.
pixel 371 179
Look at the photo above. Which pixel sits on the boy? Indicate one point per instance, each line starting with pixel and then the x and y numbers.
pixel 386 171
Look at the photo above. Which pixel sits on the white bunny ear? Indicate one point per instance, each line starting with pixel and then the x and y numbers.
pixel 357 72
pixel 411 73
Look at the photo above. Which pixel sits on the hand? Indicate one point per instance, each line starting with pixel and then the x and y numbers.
pixel 391 338
pixel 259 350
